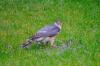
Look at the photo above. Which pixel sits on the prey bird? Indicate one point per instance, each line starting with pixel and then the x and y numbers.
pixel 45 34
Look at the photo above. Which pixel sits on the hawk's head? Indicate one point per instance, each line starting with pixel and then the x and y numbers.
pixel 58 24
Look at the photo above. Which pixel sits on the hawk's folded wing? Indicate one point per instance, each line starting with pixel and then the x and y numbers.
pixel 47 31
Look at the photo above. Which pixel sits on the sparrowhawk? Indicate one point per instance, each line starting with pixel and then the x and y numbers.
pixel 45 34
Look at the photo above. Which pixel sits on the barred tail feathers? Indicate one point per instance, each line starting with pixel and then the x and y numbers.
pixel 29 41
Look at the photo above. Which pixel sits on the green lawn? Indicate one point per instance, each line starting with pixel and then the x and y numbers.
pixel 20 19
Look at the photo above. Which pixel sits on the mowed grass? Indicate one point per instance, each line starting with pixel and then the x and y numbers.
pixel 20 19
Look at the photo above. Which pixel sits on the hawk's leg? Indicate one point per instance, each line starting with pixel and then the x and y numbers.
pixel 49 39
pixel 52 39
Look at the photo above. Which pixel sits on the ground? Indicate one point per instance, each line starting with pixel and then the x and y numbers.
pixel 20 19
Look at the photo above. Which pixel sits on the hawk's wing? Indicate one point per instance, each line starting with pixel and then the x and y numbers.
pixel 50 30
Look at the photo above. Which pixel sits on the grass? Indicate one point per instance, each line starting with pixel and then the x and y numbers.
pixel 20 19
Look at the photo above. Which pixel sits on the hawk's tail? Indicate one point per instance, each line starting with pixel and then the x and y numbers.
pixel 28 41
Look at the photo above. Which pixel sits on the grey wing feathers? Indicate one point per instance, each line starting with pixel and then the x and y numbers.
pixel 48 31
